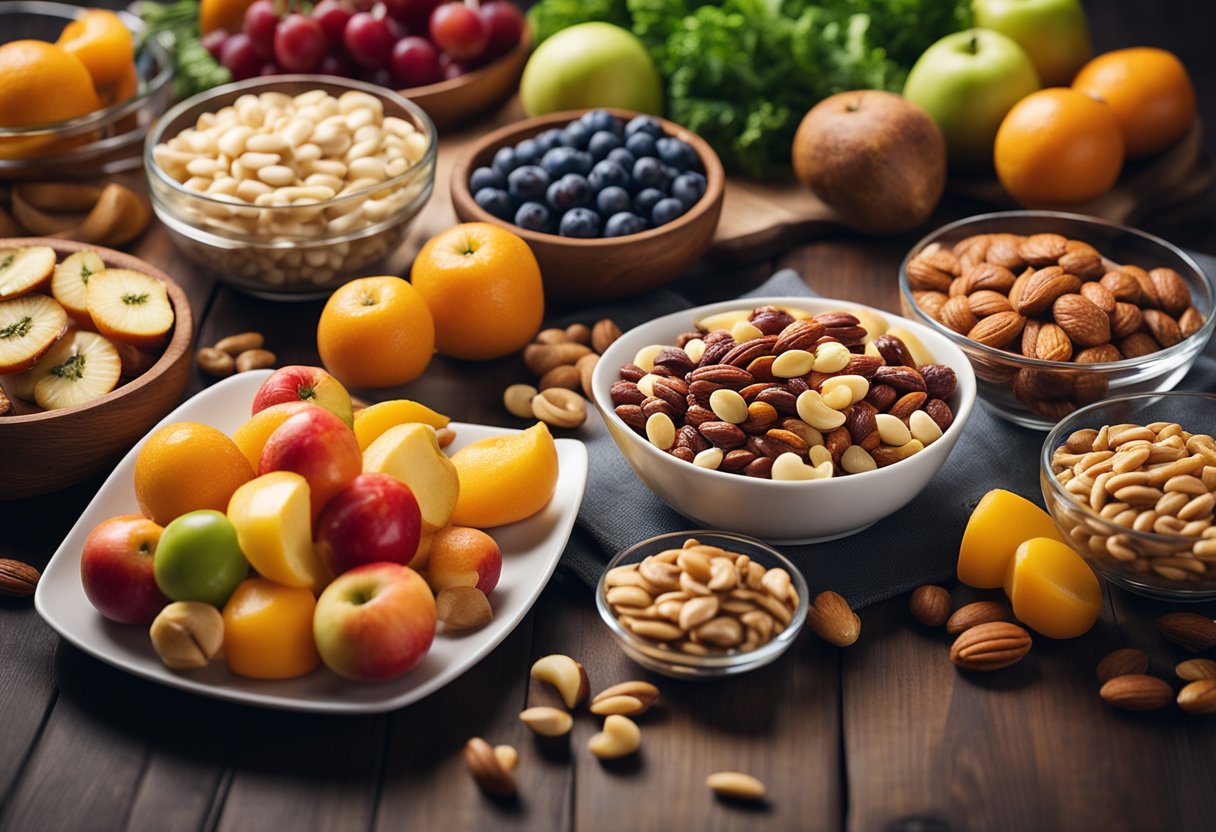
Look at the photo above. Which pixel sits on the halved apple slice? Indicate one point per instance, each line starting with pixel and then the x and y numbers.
pixel 273 524
pixel 22 270
pixel 129 306
pixel 29 327
pixel 22 385
pixel 89 372
pixel 70 283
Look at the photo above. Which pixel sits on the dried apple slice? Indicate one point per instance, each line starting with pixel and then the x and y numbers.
pixel 23 270
pixel 29 326
pixel 70 283
pixel 129 306
pixel 90 371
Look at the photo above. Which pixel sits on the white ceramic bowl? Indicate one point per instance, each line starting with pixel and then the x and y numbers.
pixel 779 512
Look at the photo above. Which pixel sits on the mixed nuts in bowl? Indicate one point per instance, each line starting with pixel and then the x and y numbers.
pixel 789 419
pixel 1057 311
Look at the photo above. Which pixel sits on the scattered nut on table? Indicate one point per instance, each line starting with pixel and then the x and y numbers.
pixel 736 785
pixel 632 698
pixel 486 766
pixel 546 721
pixel 566 675
pixel 619 738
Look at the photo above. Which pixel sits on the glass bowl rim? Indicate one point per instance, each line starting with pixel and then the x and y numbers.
pixel 779 643
pixel 1057 435
pixel 1199 337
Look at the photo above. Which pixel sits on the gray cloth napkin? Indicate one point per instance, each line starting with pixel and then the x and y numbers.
pixel 915 545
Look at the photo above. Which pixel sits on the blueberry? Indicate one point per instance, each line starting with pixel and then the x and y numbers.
pixel 607 173
pixel 505 161
pixel 528 152
pixel 496 201
pixel 640 144
pixel 559 161
pixel 576 135
pixel 486 178
pixel 688 188
pixel 533 216
pixel 644 124
pixel 548 140
pixel 648 173
pixel 645 201
pixel 571 191
pixel 602 143
pixel 527 183
pixel 622 157
pixel 583 162
pixel 674 152
pixel 599 120
pixel 666 210
pixel 612 200
pixel 623 224
pixel 580 222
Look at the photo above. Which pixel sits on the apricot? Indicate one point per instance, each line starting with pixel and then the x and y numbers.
pixel 1000 523
pixel 374 420
pixel 505 478
pixel 268 630
pixel 461 556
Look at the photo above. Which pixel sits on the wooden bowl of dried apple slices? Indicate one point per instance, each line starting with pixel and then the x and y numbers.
pixel 94 351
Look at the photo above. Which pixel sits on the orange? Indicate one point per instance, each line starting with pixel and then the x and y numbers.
pixel 41 83
pixel 1058 147
pixel 483 287
pixel 268 630
pixel 1150 93
pixel 103 43
pixel 122 89
pixel 186 466
pixel 376 332
pixel 222 14
pixel 505 478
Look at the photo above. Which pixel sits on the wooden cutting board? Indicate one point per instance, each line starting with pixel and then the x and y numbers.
pixel 760 218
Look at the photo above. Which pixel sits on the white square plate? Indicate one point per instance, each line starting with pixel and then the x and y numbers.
pixel 530 550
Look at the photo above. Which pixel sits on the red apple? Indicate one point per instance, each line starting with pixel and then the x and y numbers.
pixel 116 569
pixel 305 384
pixel 318 446
pixel 375 622
pixel 375 518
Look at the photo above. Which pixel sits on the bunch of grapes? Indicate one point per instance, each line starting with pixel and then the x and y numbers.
pixel 397 43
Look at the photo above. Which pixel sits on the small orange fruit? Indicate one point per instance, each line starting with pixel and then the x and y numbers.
pixel 40 83
pixel 1058 147
pixel 185 466
pixel 376 332
pixel 222 14
pixel 1150 93
pixel 483 286
pixel 103 43
pixel 268 630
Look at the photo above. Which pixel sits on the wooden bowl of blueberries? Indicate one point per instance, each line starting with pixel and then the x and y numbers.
pixel 612 202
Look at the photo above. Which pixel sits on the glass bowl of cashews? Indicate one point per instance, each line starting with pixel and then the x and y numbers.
pixel 702 604
pixel 1131 484
pixel 288 186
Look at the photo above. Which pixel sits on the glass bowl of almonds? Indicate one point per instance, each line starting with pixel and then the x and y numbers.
pixel 702 604
pixel 1131 483
pixel 1057 311
pixel 287 186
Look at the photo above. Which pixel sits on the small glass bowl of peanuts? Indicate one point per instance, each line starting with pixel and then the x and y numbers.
pixel 702 604
pixel 1131 483
pixel 288 186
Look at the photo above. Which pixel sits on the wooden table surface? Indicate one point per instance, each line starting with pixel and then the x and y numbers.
pixel 884 735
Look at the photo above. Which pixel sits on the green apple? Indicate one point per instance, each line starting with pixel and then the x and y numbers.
pixel 199 558
pixel 967 82
pixel 1054 33
pixel 591 65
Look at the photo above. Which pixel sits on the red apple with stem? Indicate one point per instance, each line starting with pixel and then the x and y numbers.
pixel 305 384
pixel 318 446
pixel 375 518
pixel 116 569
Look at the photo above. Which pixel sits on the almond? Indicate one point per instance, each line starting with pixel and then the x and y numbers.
pixel 1122 285
pixel 1098 355
pixel 924 272
pixel 1053 344
pixel 1137 692
pixel 930 302
pixel 1190 322
pixel 487 769
pixel 831 618
pixel 986 302
pixel 902 379
pixel 1042 289
pixel 1100 296
pixel 930 605
pixel 17 579
pixel 1043 249
pixel 1165 329
pixel 1122 662
pixel 1148 291
pixel 1030 337
pixel 1019 286
pixel 1004 250
pixel 1198 697
pixel 990 646
pixel 1189 630
pixel 1138 344
pixel 1085 323
pixel 603 334
pixel 956 314
pixel 1193 669
pixel 997 330
pixel 1172 293
pixel 1125 320
pixel 1081 259
pixel 989 276
pixel 971 250
pixel 958 286
pixel 976 613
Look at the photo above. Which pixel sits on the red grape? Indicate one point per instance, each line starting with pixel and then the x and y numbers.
pixel 270 68
pixel 415 62
pixel 333 17
pixel 380 77
pixel 213 42
pixel 369 40
pixel 454 69
pixel 413 14
pixel 260 24
pixel 240 57
pixel 337 64
pixel 299 43
pixel 505 23
pixel 459 31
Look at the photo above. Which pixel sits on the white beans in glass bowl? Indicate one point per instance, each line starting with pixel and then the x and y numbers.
pixel 288 186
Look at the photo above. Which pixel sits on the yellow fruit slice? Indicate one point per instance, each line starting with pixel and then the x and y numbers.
pixel 29 327
pixel 371 422
pixel 411 453
pixel 70 282
pixel 129 306
pixel 1001 522
pixel 273 523
pixel 22 385
pixel 505 478
pixel 23 270
pixel 1052 589
pixel 90 370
